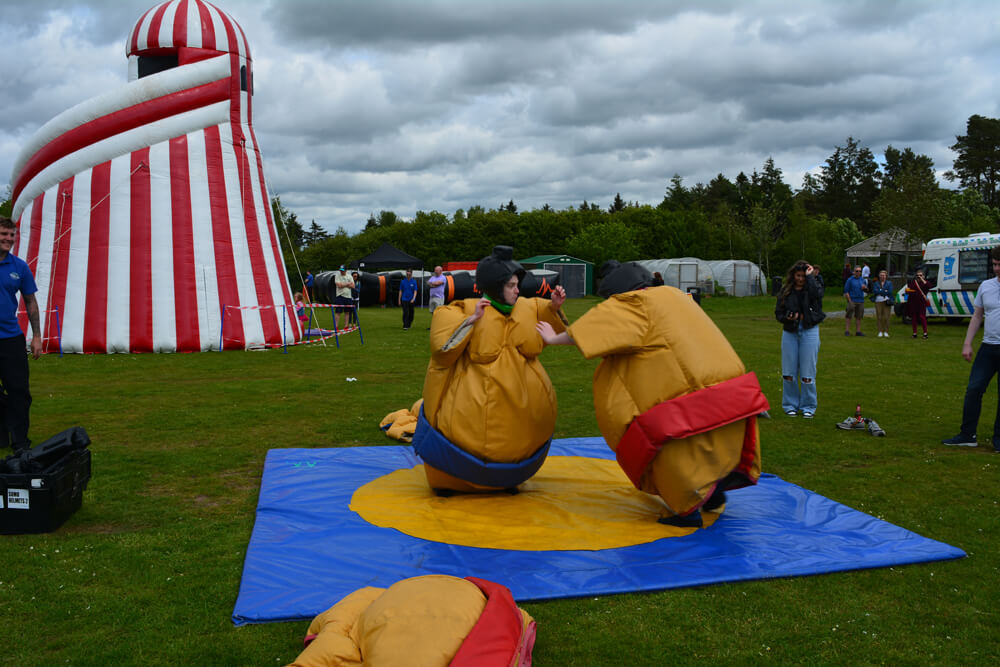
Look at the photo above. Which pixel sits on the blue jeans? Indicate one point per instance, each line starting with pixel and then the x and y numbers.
pixel 799 353
pixel 984 367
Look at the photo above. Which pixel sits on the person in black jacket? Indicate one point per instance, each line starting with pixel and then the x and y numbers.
pixel 799 309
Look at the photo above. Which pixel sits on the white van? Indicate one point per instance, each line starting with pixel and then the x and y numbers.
pixel 955 267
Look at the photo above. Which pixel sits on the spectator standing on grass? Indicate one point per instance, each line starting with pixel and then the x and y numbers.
pixel 343 302
pixel 15 398
pixel 799 308
pixel 355 297
pixel 307 285
pixel 436 293
pixel 882 296
pixel 987 363
pixel 854 293
pixel 866 273
pixel 916 301
pixel 407 298
pixel 847 272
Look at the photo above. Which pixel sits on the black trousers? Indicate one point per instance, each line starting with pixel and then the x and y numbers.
pixel 407 314
pixel 15 399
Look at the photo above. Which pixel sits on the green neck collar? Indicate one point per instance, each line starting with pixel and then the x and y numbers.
pixel 502 307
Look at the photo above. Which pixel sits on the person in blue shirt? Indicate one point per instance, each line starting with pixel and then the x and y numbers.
pixel 15 399
pixel 407 297
pixel 854 293
pixel 307 285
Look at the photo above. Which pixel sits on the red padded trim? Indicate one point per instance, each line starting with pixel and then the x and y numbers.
pixel 684 416
pixel 495 637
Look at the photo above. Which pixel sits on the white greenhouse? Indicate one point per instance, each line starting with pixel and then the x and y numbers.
pixel 739 277
pixel 683 273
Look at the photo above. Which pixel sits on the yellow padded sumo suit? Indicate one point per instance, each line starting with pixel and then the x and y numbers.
pixel 659 345
pixel 485 389
pixel 431 621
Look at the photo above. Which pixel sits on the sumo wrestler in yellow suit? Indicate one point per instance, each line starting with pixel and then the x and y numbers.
pixel 673 400
pixel 489 407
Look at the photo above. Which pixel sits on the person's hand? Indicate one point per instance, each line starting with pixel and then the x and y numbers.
pixel 967 351
pixel 36 347
pixel 809 269
pixel 546 331
pixel 481 306
pixel 558 297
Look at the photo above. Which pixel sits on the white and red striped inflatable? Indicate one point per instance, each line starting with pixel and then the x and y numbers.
pixel 143 211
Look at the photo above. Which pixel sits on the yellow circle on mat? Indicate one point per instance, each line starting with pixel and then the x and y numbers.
pixel 572 503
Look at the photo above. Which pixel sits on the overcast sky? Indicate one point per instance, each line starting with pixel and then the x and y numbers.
pixel 369 105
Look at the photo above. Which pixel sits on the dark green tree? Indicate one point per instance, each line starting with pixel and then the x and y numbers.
pixel 315 234
pixel 677 197
pixel 850 184
pixel 911 199
pixel 617 205
pixel 978 163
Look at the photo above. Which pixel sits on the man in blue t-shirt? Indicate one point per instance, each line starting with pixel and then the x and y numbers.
pixel 407 297
pixel 854 292
pixel 15 399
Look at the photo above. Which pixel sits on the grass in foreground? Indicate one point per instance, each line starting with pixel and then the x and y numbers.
pixel 148 570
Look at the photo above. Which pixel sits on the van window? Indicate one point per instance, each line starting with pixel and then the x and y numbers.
pixel 974 266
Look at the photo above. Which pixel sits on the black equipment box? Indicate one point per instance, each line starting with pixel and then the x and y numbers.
pixel 40 501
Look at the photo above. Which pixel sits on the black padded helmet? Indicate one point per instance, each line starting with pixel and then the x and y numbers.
pixel 617 278
pixel 493 271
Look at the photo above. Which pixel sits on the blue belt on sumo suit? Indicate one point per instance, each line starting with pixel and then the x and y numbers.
pixel 439 452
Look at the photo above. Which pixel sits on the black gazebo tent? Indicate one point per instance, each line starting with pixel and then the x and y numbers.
pixel 388 257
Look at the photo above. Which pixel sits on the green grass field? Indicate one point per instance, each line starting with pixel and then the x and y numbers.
pixel 147 571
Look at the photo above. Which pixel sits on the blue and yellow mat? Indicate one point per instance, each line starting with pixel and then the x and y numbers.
pixel 330 521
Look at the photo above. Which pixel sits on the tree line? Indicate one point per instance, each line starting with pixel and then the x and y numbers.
pixel 757 217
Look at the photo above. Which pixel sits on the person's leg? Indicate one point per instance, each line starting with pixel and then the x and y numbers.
pixel 923 322
pixel 789 371
pixel 847 320
pixel 14 378
pixel 808 357
pixel 984 367
pixel 859 312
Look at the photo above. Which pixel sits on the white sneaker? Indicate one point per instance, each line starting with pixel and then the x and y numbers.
pixel 886 334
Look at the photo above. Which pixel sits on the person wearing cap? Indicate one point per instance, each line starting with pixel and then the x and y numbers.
pixel 489 407
pixel 673 399
pixel 343 301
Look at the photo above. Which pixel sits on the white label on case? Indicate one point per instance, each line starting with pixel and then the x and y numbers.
pixel 17 499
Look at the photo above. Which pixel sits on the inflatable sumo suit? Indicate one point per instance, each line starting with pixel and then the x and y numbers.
pixel 489 406
pixel 427 621
pixel 673 400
